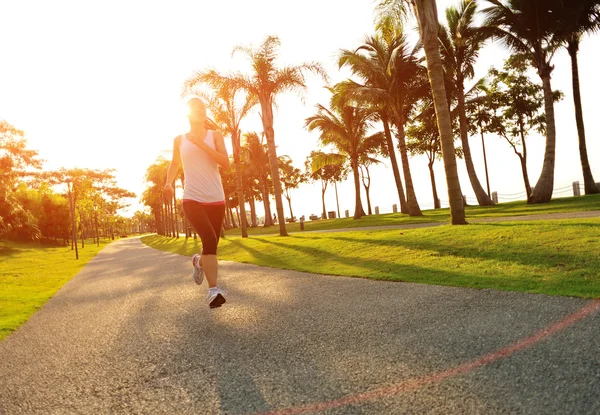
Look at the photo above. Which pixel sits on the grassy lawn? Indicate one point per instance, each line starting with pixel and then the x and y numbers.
pixel 558 257
pixel 569 204
pixel 31 274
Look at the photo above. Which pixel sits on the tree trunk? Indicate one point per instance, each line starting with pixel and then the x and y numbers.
pixel 254 223
pixel 542 191
pixel 239 180
pixel 523 161
pixel 523 158
pixel 267 119
pixel 323 189
pixel 289 199
pixel 428 28
pixel 267 205
pixel 366 180
pixel 392 151
pixel 436 199
pixel 358 209
pixel 411 197
pixel 487 176
pixel 482 198
pixel 175 215
pixel 337 201
pixel 588 179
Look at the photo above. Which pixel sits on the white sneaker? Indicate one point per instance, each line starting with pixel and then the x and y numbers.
pixel 198 274
pixel 215 297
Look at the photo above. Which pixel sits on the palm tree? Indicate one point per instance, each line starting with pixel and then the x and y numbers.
pixel 460 44
pixel 426 12
pixel 255 153
pixel 424 138
pixel 378 62
pixel 228 115
pixel 527 27
pixel 265 82
pixel 575 19
pixel 345 128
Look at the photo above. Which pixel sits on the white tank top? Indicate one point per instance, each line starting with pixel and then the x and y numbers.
pixel 202 178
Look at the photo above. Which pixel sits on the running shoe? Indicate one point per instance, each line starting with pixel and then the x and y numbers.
pixel 215 297
pixel 198 274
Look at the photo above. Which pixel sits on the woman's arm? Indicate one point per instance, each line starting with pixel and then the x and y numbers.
pixel 220 154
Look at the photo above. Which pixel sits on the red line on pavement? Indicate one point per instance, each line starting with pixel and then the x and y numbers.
pixel 436 377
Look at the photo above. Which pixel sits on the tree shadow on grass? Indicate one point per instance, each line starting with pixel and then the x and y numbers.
pixel 383 270
pixel 7 251
pixel 531 253
pixel 563 283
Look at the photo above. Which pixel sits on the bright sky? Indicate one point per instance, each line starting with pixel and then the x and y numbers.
pixel 98 85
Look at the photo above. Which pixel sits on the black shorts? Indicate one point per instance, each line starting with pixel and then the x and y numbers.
pixel 207 220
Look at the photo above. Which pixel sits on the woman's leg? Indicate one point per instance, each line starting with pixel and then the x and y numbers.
pixel 216 214
pixel 198 215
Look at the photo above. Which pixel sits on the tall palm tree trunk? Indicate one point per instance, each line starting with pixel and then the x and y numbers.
pixel 239 182
pixel 392 150
pixel 267 205
pixel 358 209
pixel 542 192
pixel 267 119
pixel 436 199
pixel 411 197
pixel 588 179
pixel 426 11
pixel 253 220
pixel 482 198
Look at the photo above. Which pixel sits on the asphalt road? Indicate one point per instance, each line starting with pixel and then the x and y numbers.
pixel 131 333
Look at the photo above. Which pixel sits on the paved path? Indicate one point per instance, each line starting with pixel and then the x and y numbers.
pixel 131 334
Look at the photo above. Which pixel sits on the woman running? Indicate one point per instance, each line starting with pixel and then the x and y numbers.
pixel 201 152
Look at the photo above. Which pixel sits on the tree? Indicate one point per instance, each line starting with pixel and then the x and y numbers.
pixel 345 128
pixel 387 69
pixel 266 82
pixel 153 196
pixel 574 20
pixel 324 173
pixel 17 163
pixel 228 112
pixel 255 154
pixel 426 12
pixel 291 178
pixel 460 43
pixel 527 27
pixel 516 104
pixel 424 138
pixel 365 176
pixel 479 117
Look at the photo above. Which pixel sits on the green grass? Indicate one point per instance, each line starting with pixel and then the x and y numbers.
pixel 520 208
pixel 31 274
pixel 558 257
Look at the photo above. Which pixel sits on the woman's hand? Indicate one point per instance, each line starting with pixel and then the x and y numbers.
pixel 200 143
pixel 168 190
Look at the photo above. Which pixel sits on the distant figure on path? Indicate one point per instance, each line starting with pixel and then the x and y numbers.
pixel 201 152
